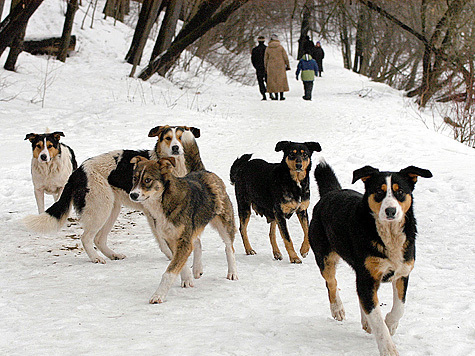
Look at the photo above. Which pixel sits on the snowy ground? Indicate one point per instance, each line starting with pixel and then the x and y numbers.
pixel 53 301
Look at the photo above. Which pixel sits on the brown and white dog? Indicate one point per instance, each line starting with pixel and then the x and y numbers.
pixel 182 207
pixel 100 186
pixel 51 165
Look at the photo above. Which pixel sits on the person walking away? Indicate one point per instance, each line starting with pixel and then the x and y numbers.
pixel 257 59
pixel 276 63
pixel 319 54
pixel 309 68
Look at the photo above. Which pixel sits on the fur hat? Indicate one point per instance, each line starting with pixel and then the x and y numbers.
pixel 274 37
pixel 261 39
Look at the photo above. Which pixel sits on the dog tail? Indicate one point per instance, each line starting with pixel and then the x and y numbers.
pixel 193 160
pixel 326 178
pixel 237 166
pixel 56 215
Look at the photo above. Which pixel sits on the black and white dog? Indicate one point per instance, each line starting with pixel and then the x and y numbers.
pixel 375 233
pixel 51 165
pixel 101 185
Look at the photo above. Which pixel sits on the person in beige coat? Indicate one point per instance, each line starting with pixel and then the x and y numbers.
pixel 276 63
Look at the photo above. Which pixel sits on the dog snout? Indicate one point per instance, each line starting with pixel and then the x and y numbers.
pixel 43 157
pixel 175 149
pixel 134 196
pixel 390 213
pixel 298 166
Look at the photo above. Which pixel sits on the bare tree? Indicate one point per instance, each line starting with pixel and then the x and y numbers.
pixel 192 31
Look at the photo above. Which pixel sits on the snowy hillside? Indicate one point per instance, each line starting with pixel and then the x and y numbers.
pixel 53 301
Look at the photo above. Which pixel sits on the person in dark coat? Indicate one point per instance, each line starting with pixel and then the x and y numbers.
pixel 318 55
pixel 257 59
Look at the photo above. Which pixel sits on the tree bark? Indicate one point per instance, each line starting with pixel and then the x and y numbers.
pixel 168 28
pixel 190 33
pixel 67 29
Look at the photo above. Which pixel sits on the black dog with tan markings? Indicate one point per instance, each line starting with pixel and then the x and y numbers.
pixel 276 191
pixel 375 234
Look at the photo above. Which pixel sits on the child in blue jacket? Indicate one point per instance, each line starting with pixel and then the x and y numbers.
pixel 309 69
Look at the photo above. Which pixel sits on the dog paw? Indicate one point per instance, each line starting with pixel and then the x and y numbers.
pixel 188 283
pixel 98 259
pixel 117 256
pixel 337 310
pixel 197 271
pixel 157 299
pixel 304 251
pixel 278 256
pixel 232 276
pixel 365 326
pixel 250 252
pixel 389 349
pixel 391 324
pixel 295 259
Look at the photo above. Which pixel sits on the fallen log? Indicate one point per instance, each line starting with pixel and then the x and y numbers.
pixel 48 46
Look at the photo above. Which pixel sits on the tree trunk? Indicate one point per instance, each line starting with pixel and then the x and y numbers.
pixel 305 27
pixel 168 28
pixel 363 42
pixel 147 16
pixel 345 38
pixel 15 23
pixel 116 9
pixel 16 46
pixel 195 28
pixel 67 29
pixel 2 3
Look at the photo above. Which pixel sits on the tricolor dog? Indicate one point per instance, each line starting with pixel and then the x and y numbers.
pixel 375 234
pixel 101 185
pixel 276 191
pixel 182 207
pixel 51 165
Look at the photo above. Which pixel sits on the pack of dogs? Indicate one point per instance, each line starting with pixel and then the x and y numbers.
pixel 374 231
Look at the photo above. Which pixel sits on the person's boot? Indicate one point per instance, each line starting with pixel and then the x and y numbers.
pixel 281 96
pixel 264 97
pixel 273 96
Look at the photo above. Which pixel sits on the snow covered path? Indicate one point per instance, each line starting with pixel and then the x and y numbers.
pixel 53 301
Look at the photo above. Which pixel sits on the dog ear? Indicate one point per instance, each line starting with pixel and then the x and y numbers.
pixel 195 131
pixel 414 172
pixel 156 131
pixel 166 165
pixel 57 135
pixel 31 137
pixel 137 159
pixel 313 146
pixel 281 145
pixel 364 173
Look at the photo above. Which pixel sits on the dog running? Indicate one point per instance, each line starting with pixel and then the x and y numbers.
pixel 182 207
pixel 276 191
pixel 100 186
pixel 375 234
pixel 51 165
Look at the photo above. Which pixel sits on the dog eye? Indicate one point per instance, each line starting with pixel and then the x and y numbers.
pixel 147 180
pixel 38 146
pixel 168 138
pixel 134 179
pixel 49 146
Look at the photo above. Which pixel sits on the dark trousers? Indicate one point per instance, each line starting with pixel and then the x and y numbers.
pixel 308 87
pixel 262 80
